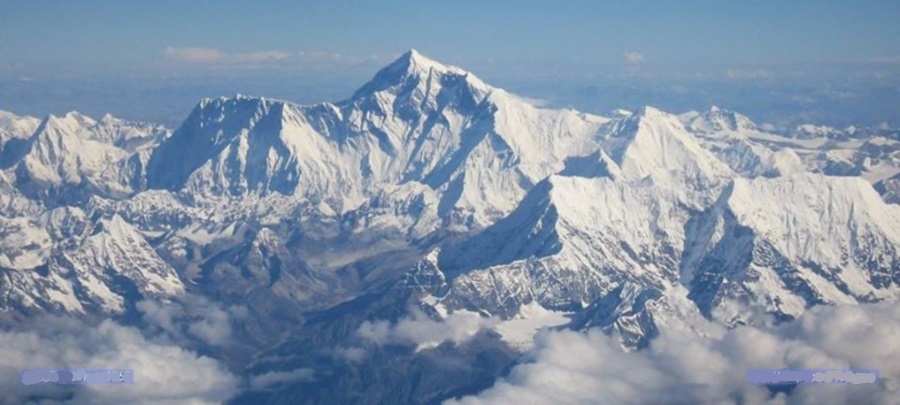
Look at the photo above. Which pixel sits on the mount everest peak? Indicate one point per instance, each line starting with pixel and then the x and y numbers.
pixel 413 70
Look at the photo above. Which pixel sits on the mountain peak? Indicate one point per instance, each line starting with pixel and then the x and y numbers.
pixel 413 55
pixel 17 126
pixel 412 61
pixel 649 112
pixel 80 118
pixel 413 68
pixel 70 123
pixel 719 119
pixel 651 143
pixel 231 130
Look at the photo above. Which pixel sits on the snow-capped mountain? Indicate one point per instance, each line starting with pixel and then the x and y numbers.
pixel 753 152
pixel 571 241
pixel 416 121
pixel 60 156
pixel 809 131
pixel 61 261
pixel 428 190
pixel 15 126
pixel 652 145
pixel 67 159
pixel 816 240
pixel 889 188
pixel 574 241
pixel 718 120
pixel 14 132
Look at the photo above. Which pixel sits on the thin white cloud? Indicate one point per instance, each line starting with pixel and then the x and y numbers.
pixel 351 354
pixel 261 57
pixel 321 56
pixel 280 377
pixel 194 55
pixel 210 56
pixel 215 57
pixel 634 57
pixel 570 367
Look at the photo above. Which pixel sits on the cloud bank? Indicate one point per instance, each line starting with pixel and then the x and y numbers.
pixel 571 367
pixel 164 373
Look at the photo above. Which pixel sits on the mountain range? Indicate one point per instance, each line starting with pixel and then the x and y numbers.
pixel 431 196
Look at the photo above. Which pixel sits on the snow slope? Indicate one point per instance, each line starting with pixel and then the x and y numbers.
pixel 654 145
pixel 784 244
pixel 571 241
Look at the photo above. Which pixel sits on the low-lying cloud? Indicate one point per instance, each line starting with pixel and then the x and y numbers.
pixel 280 377
pixel 192 317
pixel 421 330
pixel 164 373
pixel 571 367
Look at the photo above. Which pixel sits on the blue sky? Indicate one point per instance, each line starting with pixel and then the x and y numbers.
pixel 304 51
pixel 79 37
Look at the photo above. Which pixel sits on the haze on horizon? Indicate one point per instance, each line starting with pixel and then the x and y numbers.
pixel 831 62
